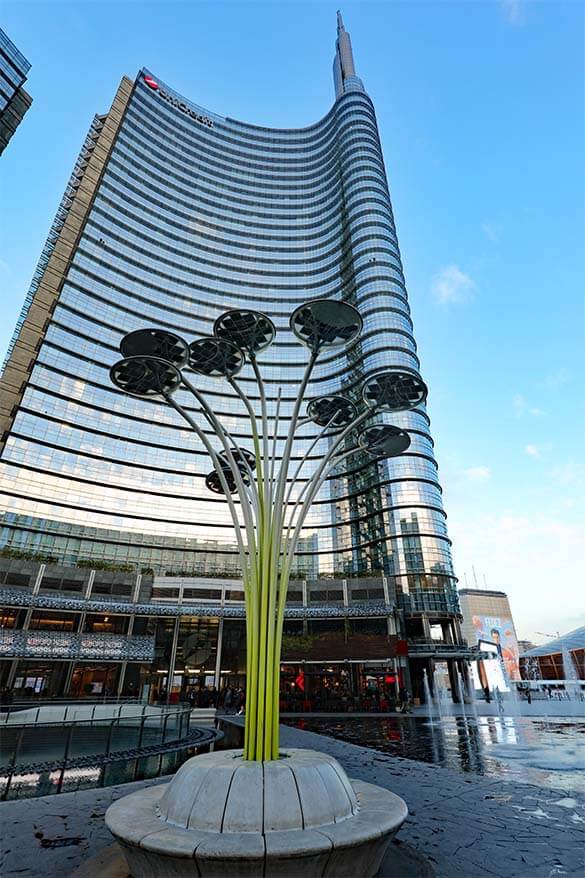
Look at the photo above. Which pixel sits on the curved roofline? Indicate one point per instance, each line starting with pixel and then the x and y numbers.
pixel 217 117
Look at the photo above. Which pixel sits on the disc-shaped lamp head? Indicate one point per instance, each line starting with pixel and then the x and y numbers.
pixel 239 455
pixel 215 357
pixel 384 440
pixel 145 377
pixel 156 343
pixel 325 323
pixel 337 411
pixel 394 391
pixel 250 331
pixel 213 481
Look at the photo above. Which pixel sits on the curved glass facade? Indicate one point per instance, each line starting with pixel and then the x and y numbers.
pixel 193 214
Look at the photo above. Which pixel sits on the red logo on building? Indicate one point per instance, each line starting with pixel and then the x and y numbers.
pixel 152 83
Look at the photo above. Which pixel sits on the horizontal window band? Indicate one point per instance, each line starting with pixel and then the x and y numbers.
pixel 344 249
pixel 346 280
pixel 372 486
pixel 338 238
pixel 371 335
pixel 108 388
pixel 206 166
pixel 230 213
pixel 233 554
pixel 227 526
pixel 346 389
pixel 208 330
pixel 190 302
pixel 207 157
pixel 237 133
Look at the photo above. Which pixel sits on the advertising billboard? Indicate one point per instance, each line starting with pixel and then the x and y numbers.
pixel 500 630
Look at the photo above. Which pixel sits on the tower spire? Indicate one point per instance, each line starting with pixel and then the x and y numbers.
pixel 344 76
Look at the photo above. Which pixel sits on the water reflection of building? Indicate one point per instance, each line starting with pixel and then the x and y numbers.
pixel 487 617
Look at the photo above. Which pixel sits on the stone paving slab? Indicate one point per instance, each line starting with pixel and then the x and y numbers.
pixel 464 825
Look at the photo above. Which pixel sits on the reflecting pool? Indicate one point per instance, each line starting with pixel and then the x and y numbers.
pixel 548 753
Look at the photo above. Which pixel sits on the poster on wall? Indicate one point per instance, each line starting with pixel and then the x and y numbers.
pixel 500 630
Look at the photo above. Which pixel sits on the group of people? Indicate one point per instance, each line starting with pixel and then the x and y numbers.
pixel 234 700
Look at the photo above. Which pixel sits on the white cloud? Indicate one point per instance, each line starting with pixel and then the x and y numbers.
pixel 556 379
pixel 519 404
pixel 534 558
pixel 513 11
pixel 532 451
pixel 521 407
pixel 478 473
pixel 452 285
pixel 492 231
pixel 569 474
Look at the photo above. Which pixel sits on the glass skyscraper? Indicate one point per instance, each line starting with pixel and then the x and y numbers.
pixel 14 100
pixel 173 215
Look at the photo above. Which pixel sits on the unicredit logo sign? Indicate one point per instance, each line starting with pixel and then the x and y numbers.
pixel 175 102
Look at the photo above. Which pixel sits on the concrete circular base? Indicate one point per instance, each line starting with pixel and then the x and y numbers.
pixel 399 859
pixel 224 816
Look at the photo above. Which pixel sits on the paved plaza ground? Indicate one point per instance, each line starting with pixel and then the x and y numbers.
pixel 462 824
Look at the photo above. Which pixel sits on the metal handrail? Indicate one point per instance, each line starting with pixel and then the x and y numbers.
pixel 162 719
pixel 194 738
pixel 15 709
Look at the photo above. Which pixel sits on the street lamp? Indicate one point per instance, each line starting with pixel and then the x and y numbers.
pixel 267 523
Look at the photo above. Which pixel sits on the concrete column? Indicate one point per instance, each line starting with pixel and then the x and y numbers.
pixel 386 591
pixel 304 588
pixel 457 633
pixel 426 626
pixel 345 592
pixel 26 624
pixel 124 665
pixel 136 592
pixel 12 674
pixel 38 580
pixel 217 678
pixel 452 669
pixel 467 681
pixel 405 669
pixel 69 677
pixel 89 586
pixel 173 659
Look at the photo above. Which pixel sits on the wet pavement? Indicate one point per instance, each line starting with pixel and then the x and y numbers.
pixel 549 753
pixel 464 824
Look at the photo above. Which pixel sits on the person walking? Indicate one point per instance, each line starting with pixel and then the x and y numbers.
pixel 403 700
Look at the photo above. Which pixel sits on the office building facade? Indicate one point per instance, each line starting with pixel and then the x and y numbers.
pixel 173 215
pixel 14 99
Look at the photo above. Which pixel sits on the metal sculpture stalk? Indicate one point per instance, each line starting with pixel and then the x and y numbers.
pixel 258 485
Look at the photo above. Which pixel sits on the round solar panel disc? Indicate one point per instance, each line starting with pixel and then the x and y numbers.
pixel 215 357
pixel 384 440
pixel 394 390
pixel 251 331
pixel 145 377
pixel 325 323
pixel 156 343
pixel 238 454
pixel 325 408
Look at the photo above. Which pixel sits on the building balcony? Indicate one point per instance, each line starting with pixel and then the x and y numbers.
pixel 440 650
pixel 433 603
pixel 63 645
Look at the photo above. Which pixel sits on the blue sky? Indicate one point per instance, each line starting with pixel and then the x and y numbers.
pixel 480 107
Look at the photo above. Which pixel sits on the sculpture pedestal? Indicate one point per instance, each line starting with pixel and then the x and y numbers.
pixel 223 816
